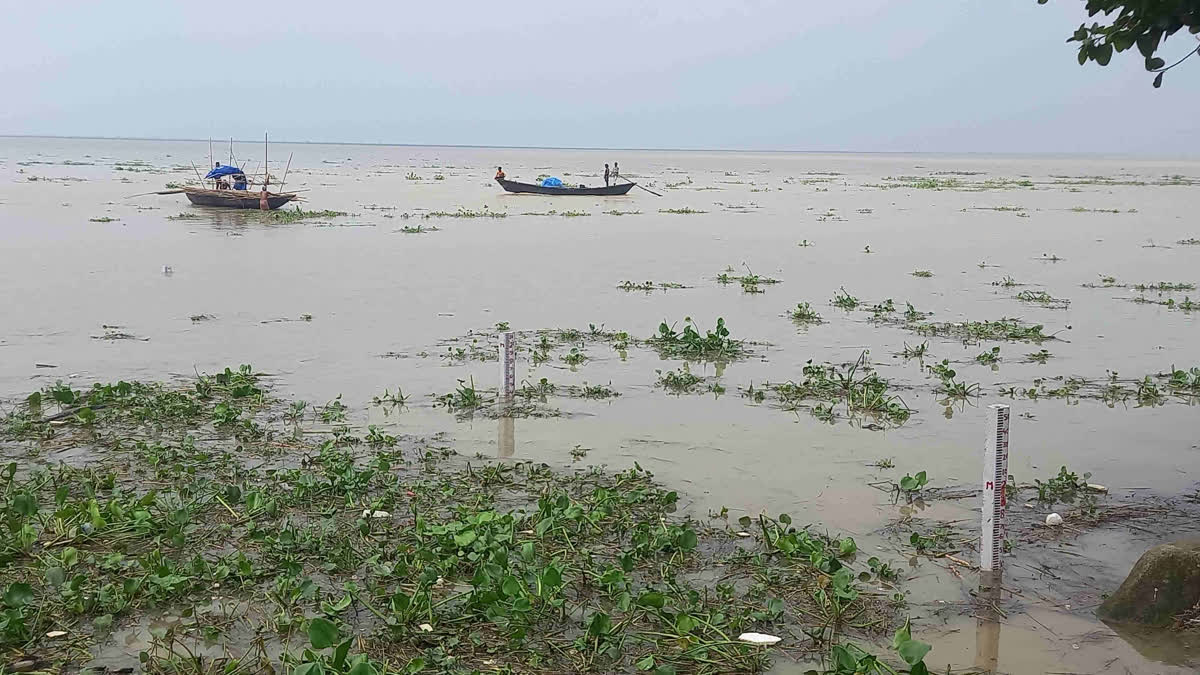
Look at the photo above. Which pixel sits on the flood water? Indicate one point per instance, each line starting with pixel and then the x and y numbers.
pixel 384 304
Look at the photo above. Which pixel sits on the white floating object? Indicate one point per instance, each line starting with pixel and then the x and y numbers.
pixel 426 627
pixel 743 534
pixel 368 513
pixel 167 270
pixel 1054 520
pixel 56 634
pixel 1096 488
pixel 759 638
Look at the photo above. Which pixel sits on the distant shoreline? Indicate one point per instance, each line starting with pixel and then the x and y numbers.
pixel 926 153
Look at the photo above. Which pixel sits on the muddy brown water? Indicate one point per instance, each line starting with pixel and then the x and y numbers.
pixel 384 303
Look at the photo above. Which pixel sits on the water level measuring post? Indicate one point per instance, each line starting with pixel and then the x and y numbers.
pixel 995 479
pixel 508 364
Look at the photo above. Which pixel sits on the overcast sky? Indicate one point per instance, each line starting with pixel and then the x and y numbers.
pixel 864 75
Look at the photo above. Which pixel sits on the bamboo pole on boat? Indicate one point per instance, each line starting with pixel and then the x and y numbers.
pixel 197 173
pixel 285 172
pixel 266 164
pixel 210 159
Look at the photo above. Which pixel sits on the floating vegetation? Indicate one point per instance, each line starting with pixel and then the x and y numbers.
pixel 465 213
pixel 649 286
pixel 616 212
pixel 922 274
pixel 917 352
pixel 804 243
pixel 574 357
pixel 856 386
pixel 1105 282
pixel 1040 356
pixel 1012 330
pixel 920 183
pixel 750 281
pixel 184 215
pixel 197 318
pixel 804 314
pixel 1082 209
pixel 419 229
pixel 951 387
pixel 297 214
pixel 367 556
pixel 844 300
pixel 1043 298
pixel 464 398
pixel 1187 305
pixel 1146 391
pixel 1165 287
pixel 1050 257
pixel 1190 241
pixel 103 219
pixel 552 212
pixel 1005 209
pixel 412 175
pixel 989 358
pixel 689 344
pixel 683 381
pixel 681 211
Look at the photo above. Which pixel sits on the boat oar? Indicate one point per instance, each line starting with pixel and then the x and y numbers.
pixel 160 192
pixel 650 191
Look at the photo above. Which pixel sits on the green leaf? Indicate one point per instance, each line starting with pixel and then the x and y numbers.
pixel 1154 63
pixel 1083 54
pixel 55 576
pixel 339 654
pixel 646 663
pixel 1080 35
pixel 847 546
pixel 313 668
pixel 25 504
pixel 902 635
pixel 1147 44
pixel 34 400
pixel 18 595
pixel 913 651
pixel 665 669
pixel 86 415
pixel 511 587
pixel 322 633
pixel 1103 53
pixel 687 540
pixel 464 539
pixel 600 624
pixel 652 599
pixel 684 624
pixel 363 668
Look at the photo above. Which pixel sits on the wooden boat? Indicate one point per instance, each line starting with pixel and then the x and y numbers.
pixel 236 199
pixel 514 186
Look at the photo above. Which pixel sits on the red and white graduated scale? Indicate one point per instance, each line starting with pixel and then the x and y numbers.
pixel 508 364
pixel 995 479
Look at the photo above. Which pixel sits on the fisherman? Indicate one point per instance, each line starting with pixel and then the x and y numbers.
pixel 616 171
pixel 239 181
pixel 220 181
pixel 606 175
pixel 499 173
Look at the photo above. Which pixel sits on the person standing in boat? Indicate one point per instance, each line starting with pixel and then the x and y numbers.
pixel 499 173
pixel 606 175
pixel 616 172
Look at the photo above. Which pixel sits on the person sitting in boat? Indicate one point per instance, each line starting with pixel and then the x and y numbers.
pixel 499 173
pixel 239 181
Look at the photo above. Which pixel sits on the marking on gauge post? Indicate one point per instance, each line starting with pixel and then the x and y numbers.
pixel 508 364
pixel 995 480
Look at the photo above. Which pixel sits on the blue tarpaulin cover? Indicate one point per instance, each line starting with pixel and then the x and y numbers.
pixel 223 171
pixel 552 182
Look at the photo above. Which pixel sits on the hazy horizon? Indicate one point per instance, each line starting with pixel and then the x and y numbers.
pixel 764 75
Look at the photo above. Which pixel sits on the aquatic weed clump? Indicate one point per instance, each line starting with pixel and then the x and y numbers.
pixel 1011 330
pixel 324 549
pixel 714 345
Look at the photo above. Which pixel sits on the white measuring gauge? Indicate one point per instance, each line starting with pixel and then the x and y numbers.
pixel 508 364
pixel 995 479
